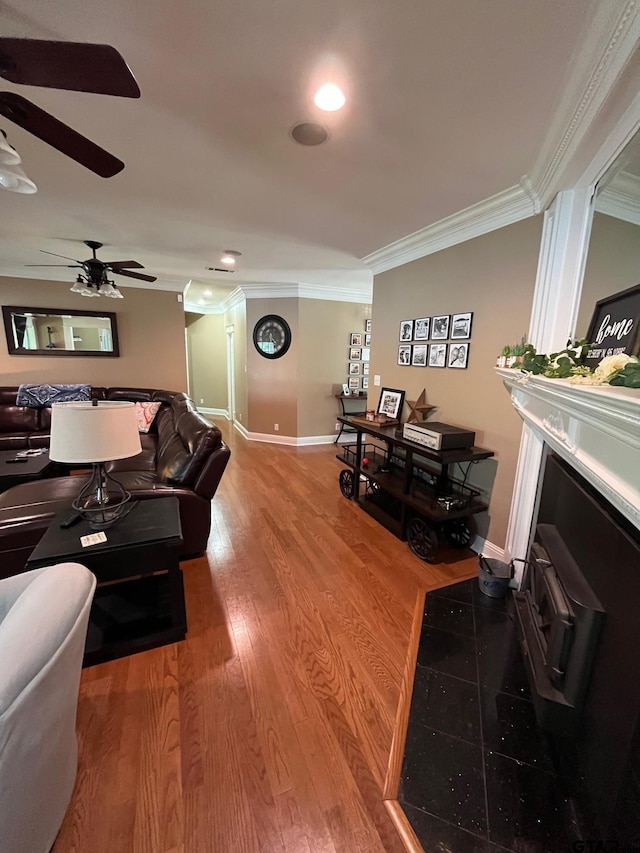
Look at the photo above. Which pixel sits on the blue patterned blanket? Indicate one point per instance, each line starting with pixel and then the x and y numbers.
pixel 36 396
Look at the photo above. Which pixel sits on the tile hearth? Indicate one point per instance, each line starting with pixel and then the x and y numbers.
pixel 478 774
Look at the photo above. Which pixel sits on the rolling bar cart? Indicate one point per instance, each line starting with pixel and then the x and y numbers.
pixel 409 488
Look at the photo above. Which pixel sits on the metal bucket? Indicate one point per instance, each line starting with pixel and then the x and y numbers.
pixel 494 576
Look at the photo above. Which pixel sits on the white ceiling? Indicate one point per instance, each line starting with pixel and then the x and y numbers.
pixel 448 103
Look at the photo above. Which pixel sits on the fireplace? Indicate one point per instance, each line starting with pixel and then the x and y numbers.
pixel 578 604
pixel 559 624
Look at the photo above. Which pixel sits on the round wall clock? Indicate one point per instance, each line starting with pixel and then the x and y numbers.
pixel 272 336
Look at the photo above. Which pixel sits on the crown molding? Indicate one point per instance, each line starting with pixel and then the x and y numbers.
pixel 621 198
pixel 495 212
pixel 360 293
pixel 609 43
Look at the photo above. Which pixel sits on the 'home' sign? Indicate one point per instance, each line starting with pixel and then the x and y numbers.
pixel 615 326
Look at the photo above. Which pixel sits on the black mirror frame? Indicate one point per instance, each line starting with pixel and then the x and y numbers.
pixel 9 310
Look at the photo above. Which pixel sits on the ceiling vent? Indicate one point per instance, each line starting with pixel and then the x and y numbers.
pixel 309 133
pixel 218 269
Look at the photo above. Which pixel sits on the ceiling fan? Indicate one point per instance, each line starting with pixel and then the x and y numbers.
pixel 95 271
pixel 97 68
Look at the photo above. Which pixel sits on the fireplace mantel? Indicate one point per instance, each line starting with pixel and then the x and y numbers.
pixel 595 428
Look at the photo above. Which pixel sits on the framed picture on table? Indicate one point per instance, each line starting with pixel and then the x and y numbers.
pixel 390 403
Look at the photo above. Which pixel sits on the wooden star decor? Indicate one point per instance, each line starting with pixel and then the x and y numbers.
pixel 419 409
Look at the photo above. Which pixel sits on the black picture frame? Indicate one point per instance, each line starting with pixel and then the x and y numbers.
pixel 615 326
pixel 437 355
pixel 421 328
pixel 440 327
pixel 404 355
pixel 406 331
pixel 419 355
pixel 458 356
pixel 390 403
pixel 461 325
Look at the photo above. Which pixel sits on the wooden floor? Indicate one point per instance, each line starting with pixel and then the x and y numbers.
pixel 269 728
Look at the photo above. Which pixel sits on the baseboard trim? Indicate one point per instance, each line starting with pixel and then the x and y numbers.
pixel 218 413
pixel 487 549
pixel 289 440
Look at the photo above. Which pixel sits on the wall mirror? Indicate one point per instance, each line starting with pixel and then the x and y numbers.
pixel 613 256
pixel 49 331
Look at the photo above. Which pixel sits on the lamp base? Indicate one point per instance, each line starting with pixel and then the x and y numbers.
pixel 102 501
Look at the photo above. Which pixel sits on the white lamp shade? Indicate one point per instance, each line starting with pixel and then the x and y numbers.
pixel 14 179
pixel 8 154
pixel 82 432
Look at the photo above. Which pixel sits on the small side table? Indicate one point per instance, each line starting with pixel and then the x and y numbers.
pixel 350 405
pixel 33 468
pixel 139 600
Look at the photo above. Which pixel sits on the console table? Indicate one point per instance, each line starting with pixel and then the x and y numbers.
pixel 409 488
pixel 139 600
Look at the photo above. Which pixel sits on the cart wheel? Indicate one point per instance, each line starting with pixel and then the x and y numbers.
pixel 422 539
pixel 346 482
pixel 458 533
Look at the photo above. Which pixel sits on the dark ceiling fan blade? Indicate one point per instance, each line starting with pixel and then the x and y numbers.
pixel 66 266
pixel 97 68
pixel 59 135
pixel 136 275
pixel 56 255
pixel 116 265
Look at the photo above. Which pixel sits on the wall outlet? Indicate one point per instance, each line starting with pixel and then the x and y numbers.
pixel 376 379
pixel 276 427
pixel 179 297
pixel 201 400
pixel 337 427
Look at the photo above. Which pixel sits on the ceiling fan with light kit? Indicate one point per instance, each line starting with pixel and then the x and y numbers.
pixel 94 279
pixel 75 66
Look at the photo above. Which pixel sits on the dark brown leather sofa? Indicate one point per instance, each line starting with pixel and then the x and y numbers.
pixel 182 455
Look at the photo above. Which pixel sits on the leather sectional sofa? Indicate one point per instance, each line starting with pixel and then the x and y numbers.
pixel 182 455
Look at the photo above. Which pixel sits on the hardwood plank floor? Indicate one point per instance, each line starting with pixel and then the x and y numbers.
pixel 269 728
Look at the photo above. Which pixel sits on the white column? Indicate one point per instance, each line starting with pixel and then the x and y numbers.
pixel 563 251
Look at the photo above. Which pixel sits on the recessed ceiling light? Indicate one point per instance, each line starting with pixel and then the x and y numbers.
pixel 329 98
pixel 309 133
pixel 208 293
pixel 229 256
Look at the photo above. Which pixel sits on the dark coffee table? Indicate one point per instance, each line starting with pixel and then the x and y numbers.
pixel 13 473
pixel 139 600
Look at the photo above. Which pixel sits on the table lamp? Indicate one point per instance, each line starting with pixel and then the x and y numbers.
pixel 96 432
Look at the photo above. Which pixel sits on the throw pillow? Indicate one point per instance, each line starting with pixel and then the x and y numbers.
pixel 145 413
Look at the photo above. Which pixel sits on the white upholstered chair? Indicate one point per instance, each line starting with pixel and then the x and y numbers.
pixel 43 626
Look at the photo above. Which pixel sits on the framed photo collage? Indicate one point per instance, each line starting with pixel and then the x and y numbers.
pixel 358 367
pixel 439 341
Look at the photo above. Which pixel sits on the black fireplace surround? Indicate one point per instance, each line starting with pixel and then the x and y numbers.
pixel 600 749
pixel 524 727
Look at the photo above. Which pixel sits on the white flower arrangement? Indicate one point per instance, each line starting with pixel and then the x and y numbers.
pixel 620 369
